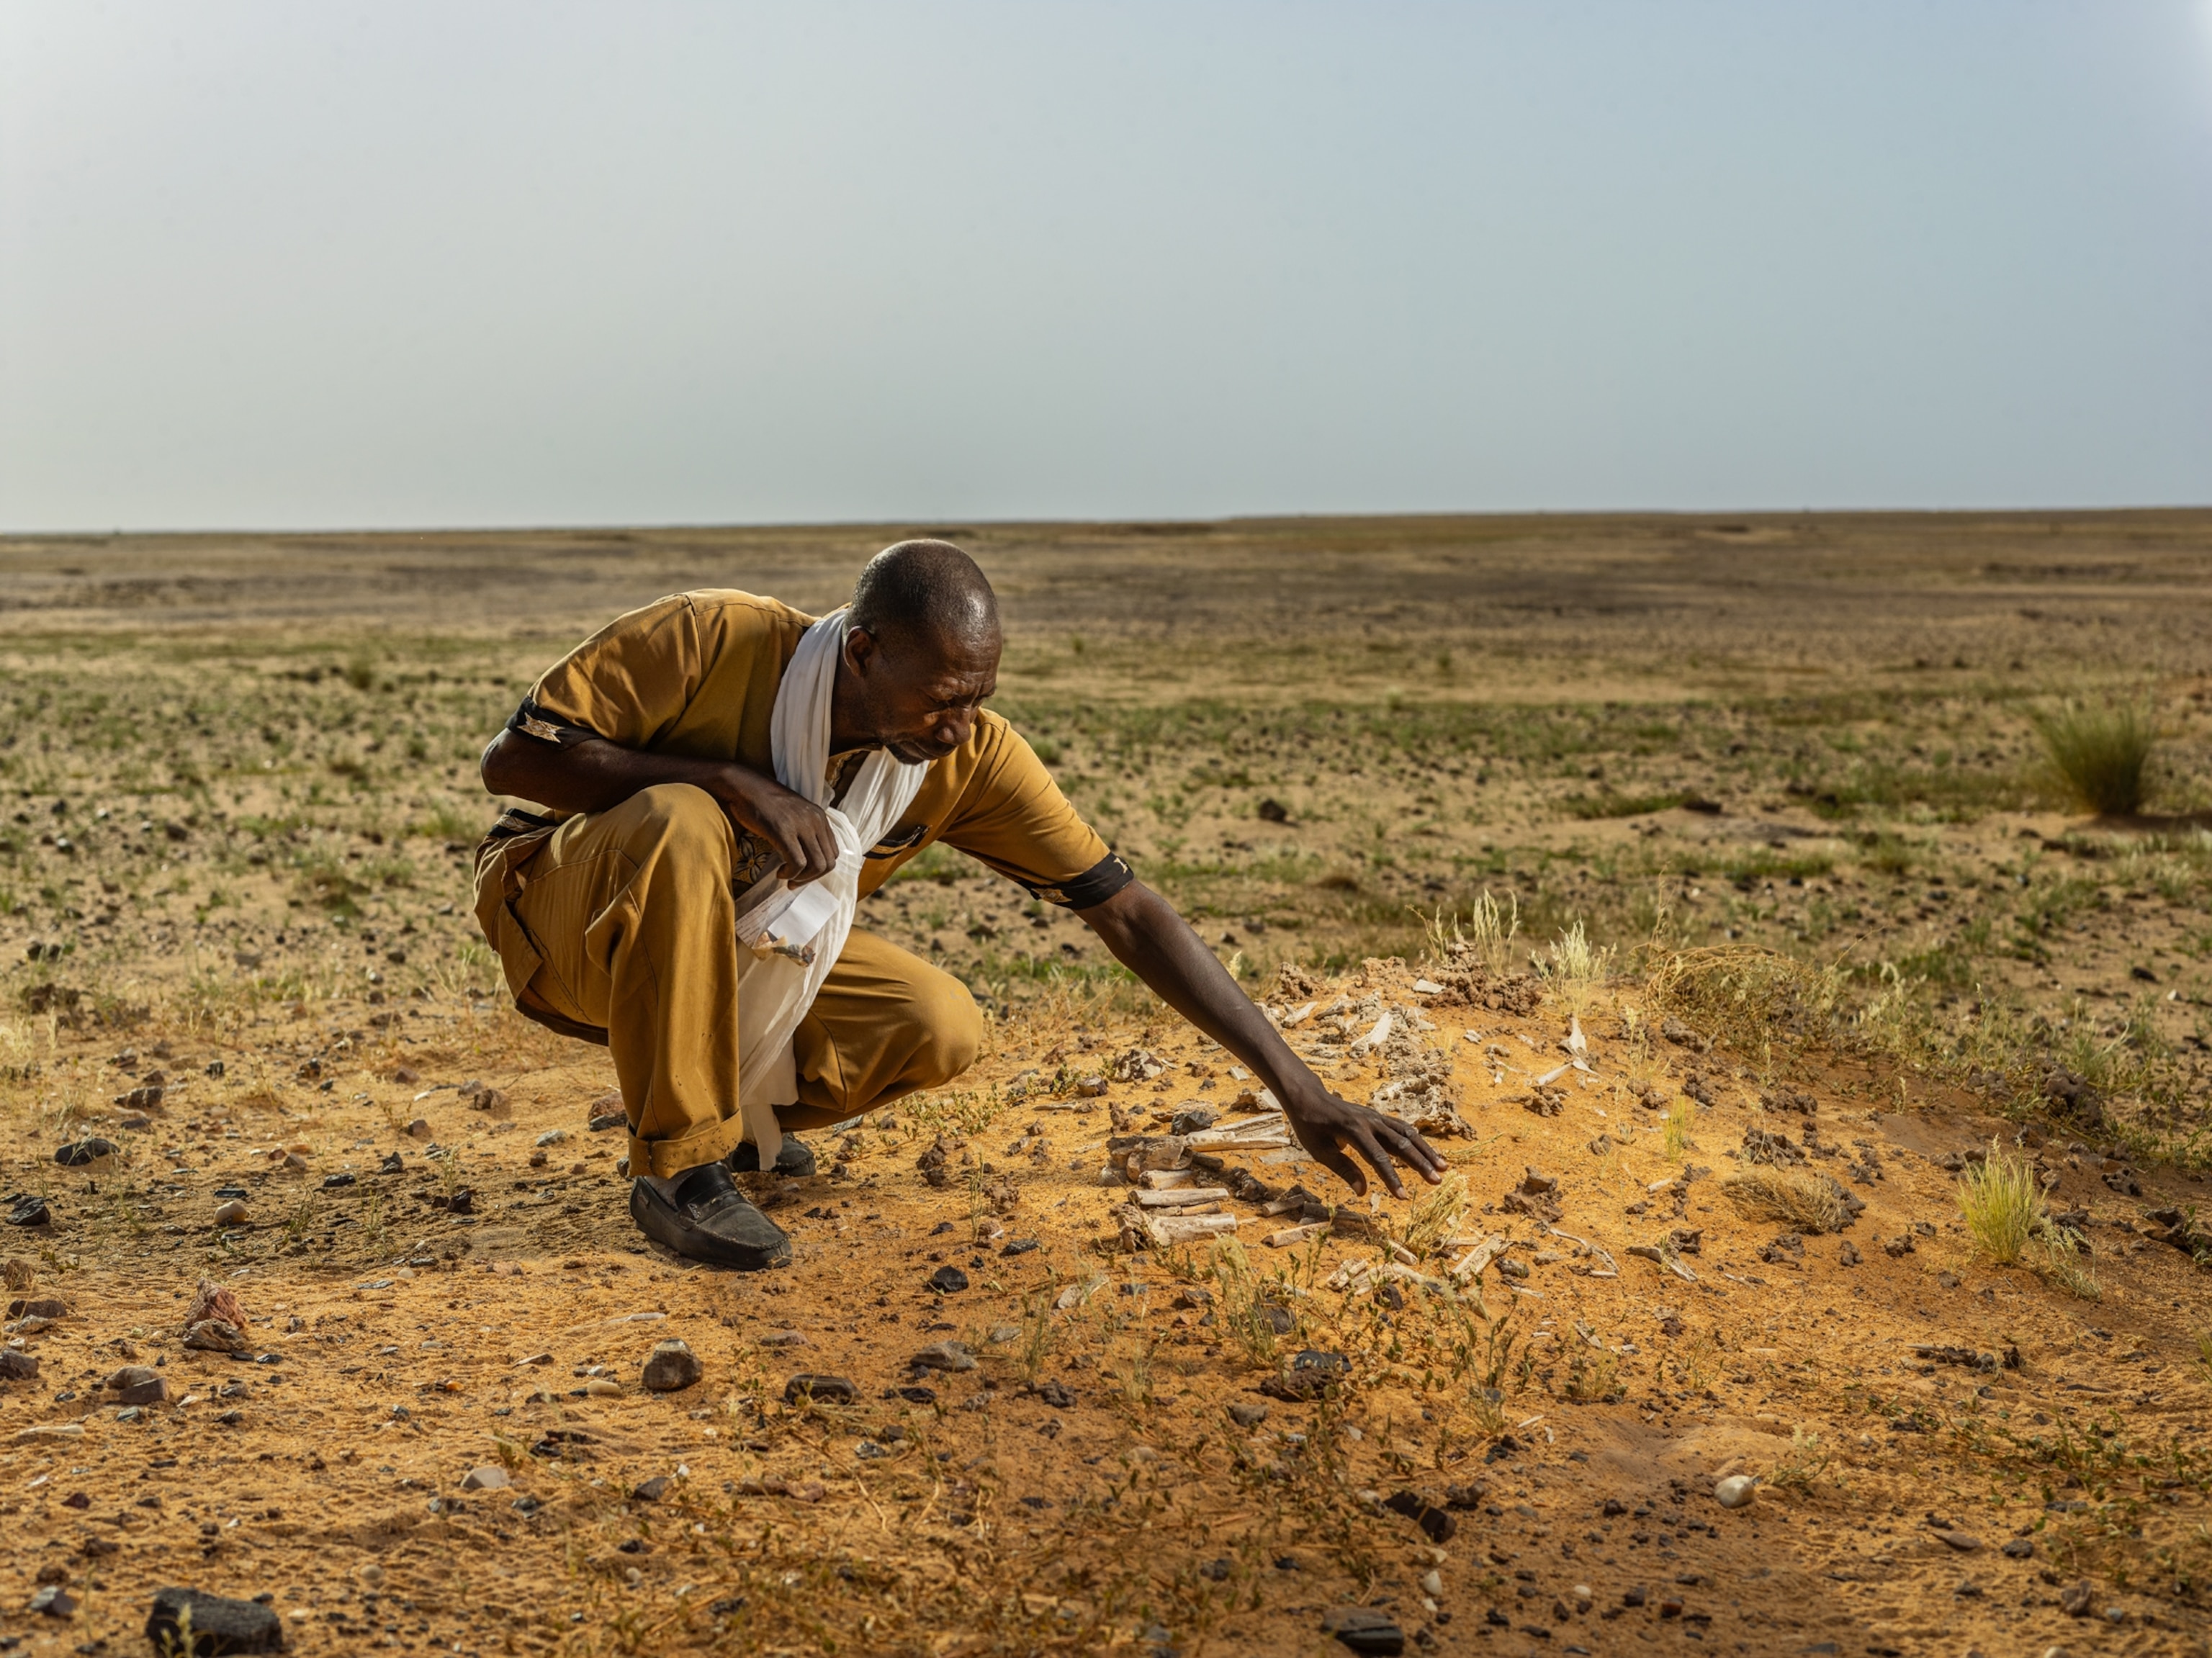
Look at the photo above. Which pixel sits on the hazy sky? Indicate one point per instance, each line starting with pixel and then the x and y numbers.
pixel 307 263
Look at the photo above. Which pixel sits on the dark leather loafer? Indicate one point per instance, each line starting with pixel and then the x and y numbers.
pixel 708 1219
pixel 794 1159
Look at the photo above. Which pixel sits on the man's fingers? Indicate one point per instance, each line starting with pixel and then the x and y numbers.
pixel 1420 1155
pixel 1370 1148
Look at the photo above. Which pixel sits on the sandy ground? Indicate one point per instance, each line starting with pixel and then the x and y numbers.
pixel 277 735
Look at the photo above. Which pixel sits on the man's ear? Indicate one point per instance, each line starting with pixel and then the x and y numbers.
pixel 861 650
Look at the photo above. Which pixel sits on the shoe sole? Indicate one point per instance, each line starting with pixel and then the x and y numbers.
pixel 781 1173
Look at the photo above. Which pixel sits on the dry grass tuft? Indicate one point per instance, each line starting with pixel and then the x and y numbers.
pixel 1435 1216
pixel 2100 756
pixel 1803 1463
pixel 1574 968
pixel 1742 997
pixel 2001 1203
pixel 2063 1264
pixel 1807 1201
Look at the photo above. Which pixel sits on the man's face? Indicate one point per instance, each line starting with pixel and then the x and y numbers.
pixel 917 693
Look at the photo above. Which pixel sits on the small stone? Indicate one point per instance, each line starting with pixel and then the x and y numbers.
pixel 29 1211
pixel 671 1367
pixel 1018 1247
pixel 79 1154
pixel 1738 1491
pixel 16 1365
pixel 949 1356
pixel 821 1389
pixel 2017 1548
pixel 1964 1542
pixel 53 1601
pixel 392 1164
pixel 783 1339
pixel 1437 1524
pixel 219 1624
pixel 1194 1119
pixel 215 1335
pixel 1362 1629
pixel 490 1478
pixel 232 1213
pixel 335 1182
pixel 1247 1414
pixel 948 1280
pixel 134 1384
pixel 419 1129
pixel 1307 1376
pixel 1848 1254
pixel 552 1137
pixel 1055 1393
pixel 211 1300
pixel 2076 1599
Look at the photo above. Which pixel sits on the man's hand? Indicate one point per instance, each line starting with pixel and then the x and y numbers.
pixel 593 775
pixel 1326 1124
pixel 1149 939
pixel 797 828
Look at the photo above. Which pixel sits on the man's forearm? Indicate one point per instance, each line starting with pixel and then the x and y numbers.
pixel 591 775
pixel 1147 936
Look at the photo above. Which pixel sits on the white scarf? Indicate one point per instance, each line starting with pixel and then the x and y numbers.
pixel 792 936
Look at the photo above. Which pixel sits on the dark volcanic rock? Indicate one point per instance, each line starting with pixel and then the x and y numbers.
pixel 217 1625
pixel 78 1153
pixel 1366 1630
pixel 822 1389
pixel 1435 1522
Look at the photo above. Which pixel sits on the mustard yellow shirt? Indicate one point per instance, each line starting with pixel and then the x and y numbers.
pixel 696 674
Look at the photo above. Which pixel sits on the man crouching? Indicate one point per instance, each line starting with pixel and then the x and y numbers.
pixel 725 779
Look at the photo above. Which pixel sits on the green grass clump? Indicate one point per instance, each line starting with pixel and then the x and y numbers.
pixel 2101 755
pixel 2001 1203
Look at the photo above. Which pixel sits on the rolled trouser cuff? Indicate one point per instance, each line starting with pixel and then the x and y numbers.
pixel 664 1157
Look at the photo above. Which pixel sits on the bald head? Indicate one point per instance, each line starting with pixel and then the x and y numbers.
pixel 929 590
pixel 921 654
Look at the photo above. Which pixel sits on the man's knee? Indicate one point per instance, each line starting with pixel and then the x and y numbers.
pixel 678 818
pixel 948 1031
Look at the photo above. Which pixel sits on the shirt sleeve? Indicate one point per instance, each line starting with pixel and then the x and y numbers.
pixel 628 683
pixel 1015 819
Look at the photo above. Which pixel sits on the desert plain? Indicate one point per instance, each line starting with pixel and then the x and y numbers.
pixel 1700 880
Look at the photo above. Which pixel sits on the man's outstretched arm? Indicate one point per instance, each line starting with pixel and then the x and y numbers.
pixel 593 775
pixel 1148 937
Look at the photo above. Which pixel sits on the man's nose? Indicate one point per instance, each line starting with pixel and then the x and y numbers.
pixel 952 729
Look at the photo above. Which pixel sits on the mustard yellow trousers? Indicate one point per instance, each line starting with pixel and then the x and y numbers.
pixel 622 926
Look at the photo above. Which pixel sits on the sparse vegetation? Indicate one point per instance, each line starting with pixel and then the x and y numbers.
pixel 2002 1204
pixel 1798 1197
pixel 2101 755
pixel 1835 875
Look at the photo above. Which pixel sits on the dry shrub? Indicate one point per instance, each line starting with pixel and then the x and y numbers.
pixel 2062 1262
pixel 2100 755
pixel 1575 970
pixel 2002 1204
pixel 1799 1467
pixel 1742 997
pixel 1807 1201
pixel 1435 1216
